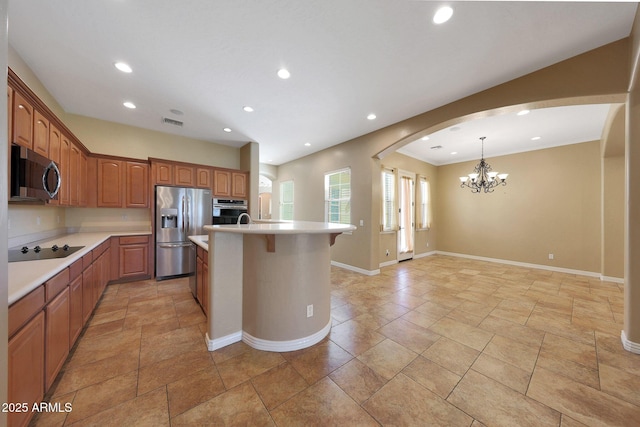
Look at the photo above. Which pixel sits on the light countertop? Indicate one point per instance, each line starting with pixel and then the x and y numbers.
pixel 282 227
pixel 202 241
pixel 25 276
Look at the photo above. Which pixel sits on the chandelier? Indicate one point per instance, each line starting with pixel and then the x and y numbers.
pixel 482 178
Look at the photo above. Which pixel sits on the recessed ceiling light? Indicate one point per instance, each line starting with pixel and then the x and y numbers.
pixel 453 153
pixel 283 73
pixel 307 144
pixel 425 138
pixel 247 109
pixel 371 116
pixel 535 138
pixel 523 112
pixel 123 66
pixel 227 130
pixel 442 15
pixel 176 112
pixel 129 104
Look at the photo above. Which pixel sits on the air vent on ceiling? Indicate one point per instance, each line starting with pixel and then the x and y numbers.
pixel 436 147
pixel 173 122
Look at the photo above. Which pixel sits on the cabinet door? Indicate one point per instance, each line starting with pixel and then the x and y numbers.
pixel 162 173
pixel 74 175
pixel 22 121
pixel 199 280
pixel 25 358
pixel 56 335
pixel 134 260
pixel 184 176
pixel 221 183
pixel 239 185
pixel 65 149
pixel 109 183
pixel 205 286
pixel 83 188
pixel 137 185
pixel 87 293
pixel 54 153
pixel 203 177
pixel 40 134
pixel 76 319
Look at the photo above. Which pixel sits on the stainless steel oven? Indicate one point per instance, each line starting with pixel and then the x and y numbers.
pixel 227 211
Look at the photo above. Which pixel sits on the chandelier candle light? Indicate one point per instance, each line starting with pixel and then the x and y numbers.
pixel 482 178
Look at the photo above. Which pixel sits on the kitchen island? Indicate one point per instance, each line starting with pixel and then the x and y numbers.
pixel 269 283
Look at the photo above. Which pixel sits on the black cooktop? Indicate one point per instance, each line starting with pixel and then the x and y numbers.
pixel 37 253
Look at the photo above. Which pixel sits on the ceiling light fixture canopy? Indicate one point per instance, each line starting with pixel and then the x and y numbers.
pixel 483 179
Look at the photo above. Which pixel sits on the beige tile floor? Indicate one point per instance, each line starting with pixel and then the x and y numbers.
pixel 434 341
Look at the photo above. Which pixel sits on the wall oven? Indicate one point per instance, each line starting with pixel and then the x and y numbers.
pixel 227 211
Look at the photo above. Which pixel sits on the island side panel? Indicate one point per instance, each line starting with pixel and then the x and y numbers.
pixel 225 289
pixel 279 285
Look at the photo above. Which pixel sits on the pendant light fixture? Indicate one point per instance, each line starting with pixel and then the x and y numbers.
pixel 483 179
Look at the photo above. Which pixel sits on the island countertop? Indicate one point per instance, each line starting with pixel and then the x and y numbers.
pixel 282 227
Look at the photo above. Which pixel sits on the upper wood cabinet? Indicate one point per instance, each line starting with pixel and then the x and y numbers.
pixel 203 177
pixel 184 176
pixel 162 173
pixel 65 150
pixel 40 134
pixel 228 183
pixel 22 121
pixel 136 185
pixel 75 183
pixel 84 178
pixel 110 176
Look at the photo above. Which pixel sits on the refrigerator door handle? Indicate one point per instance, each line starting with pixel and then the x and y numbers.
pixel 174 245
pixel 188 230
pixel 183 214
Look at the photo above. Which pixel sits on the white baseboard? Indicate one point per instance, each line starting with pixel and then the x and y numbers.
pixel 222 341
pixel 523 264
pixel 612 279
pixel 630 346
pixel 291 345
pixel 425 254
pixel 356 269
pixel 388 263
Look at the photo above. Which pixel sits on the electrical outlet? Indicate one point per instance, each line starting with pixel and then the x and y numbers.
pixel 387 252
pixel 550 256
pixel 38 220
pixel 124 217
pixel 310 310
pixel 362 223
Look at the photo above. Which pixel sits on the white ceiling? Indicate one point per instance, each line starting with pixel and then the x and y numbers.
pixel 347 58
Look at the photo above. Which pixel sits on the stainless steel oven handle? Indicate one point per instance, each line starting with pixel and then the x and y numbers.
pixel 174 245
pixel 239 207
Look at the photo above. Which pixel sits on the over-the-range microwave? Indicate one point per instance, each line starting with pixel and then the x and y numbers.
pixel 34 178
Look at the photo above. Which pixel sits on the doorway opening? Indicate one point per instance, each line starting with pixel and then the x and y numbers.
pixel 406 215
pixel 264 197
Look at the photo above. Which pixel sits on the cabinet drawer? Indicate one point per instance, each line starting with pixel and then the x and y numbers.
pixel 199 252
pixel 75 269
pixel 25 308
pixel 54 285
pixel 134 240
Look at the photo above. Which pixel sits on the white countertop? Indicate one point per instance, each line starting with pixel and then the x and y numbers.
pixel 282 227
pixel 25 276
pixel 202 241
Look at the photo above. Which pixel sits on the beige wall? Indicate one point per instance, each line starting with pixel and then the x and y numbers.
pixel 551 204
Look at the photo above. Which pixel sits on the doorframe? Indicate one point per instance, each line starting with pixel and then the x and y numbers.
pixel 402 256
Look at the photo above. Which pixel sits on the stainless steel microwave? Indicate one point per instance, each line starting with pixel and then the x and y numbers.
pixel 34 177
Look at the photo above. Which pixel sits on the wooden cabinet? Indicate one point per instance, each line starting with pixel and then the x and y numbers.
pixel 54 153
pixel 136 185
pixel 84 180
pixel 87 293
pixel 25 356
pixel 40 134
pixel 122 183
pixel 22 121
pixel 202 278
pixel 229 184
pixel 65 150
pixel 109 183
pixel 75 184
pixel 205 285
pixel 203 177
pixel 184 176
pixel 56 335
pixel 162 173
pixel 133 257
pixel 76 318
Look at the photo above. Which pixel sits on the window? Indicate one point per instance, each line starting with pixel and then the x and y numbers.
pixel 425 204
pixel 388 200
pixel 337 196
pixel 286 200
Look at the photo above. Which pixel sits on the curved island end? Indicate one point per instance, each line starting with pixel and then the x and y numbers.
pixel 269 284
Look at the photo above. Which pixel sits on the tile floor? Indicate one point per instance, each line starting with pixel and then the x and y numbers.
pixel 433 341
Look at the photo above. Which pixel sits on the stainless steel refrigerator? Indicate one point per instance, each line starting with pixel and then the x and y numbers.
pixel 180 213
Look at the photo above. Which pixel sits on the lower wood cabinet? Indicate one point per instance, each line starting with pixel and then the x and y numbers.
pixel 56 335
pixel 202 278
pixel 76 317
pixel 134 257
pixel 87 293
pixel 26 369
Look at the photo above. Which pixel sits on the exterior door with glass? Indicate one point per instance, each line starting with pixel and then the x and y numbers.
pixel 406 215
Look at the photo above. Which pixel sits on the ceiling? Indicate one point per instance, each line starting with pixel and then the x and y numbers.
pixel 347 59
